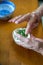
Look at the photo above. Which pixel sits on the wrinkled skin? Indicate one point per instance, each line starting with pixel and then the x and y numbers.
pixel 33 43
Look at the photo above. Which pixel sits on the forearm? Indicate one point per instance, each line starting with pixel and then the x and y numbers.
pixel 39 10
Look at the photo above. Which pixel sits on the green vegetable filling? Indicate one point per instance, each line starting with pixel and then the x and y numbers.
pixel 22 32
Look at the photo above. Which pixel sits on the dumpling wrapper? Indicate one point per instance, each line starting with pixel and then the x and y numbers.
pixel 17 40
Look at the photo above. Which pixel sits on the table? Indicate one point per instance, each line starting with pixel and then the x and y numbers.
pixel 10 53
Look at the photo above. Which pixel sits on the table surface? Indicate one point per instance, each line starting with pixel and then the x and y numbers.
pixel 10 53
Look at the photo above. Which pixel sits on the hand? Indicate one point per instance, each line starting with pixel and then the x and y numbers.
pixel 33 43
pixel 32 19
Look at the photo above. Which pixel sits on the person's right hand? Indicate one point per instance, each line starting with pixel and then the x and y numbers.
pixel 32 19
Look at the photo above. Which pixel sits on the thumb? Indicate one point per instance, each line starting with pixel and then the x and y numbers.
pixel 38 39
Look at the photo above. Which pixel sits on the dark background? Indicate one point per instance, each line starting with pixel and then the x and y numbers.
pixel 40 0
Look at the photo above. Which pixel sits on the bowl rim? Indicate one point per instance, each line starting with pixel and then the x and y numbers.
pixel 10 3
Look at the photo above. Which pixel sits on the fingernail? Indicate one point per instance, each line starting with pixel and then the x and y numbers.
pixel 16 22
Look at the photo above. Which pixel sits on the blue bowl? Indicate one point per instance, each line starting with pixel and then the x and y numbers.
pixel 6 9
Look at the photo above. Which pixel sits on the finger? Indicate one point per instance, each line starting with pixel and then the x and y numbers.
pixel 14 19
pixel 29 25
pixel 23 18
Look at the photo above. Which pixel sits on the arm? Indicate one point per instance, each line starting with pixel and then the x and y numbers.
pixel 39 10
